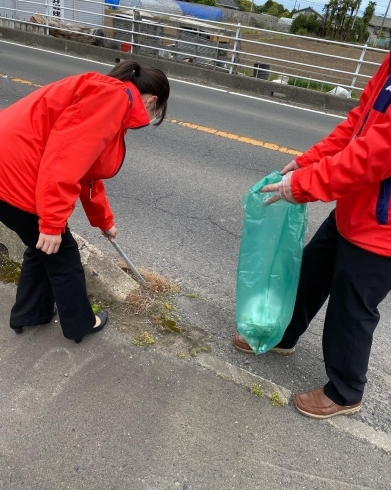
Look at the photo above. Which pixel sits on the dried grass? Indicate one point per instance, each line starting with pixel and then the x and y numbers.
pixel 157 283
pixel 140 301
pixel 143 299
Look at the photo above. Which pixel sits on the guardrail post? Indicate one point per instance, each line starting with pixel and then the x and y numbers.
pixel 47 17
pixel 135 33
pixel 356 73
pixel 216 51
pixel 233 57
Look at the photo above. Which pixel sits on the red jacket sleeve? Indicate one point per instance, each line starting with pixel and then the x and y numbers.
pixel 340 165
pixel 75 141
pixel 342 134
pixel 362 162
pixel 96 205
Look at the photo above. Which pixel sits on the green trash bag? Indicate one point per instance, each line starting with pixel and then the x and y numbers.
pixel 269 265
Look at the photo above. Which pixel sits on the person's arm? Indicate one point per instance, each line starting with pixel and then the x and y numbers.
pixel 76 140
pixel 342 134
pixel 365 160
pixel 96 205
pixel 338 164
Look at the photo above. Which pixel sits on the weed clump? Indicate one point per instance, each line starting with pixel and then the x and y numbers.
pixel 204 348
pixel 153 300
pixel 257 390
pixel 96 308
pixel 9 270
pixel 276 399
pixel 144 338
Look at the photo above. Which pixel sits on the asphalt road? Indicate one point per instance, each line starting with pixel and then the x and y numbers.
pixel 177 202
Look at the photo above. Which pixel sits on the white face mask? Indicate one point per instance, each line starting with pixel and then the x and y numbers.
pixel 155 116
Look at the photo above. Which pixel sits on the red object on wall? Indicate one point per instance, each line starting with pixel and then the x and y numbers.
pixel 125 47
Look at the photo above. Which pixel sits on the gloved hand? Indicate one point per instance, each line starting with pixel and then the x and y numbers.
pixel 283 189
pixel 290 167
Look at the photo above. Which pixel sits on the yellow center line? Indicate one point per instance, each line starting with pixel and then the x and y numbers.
pixel 20 80
pixel 222 134
pixel 242 139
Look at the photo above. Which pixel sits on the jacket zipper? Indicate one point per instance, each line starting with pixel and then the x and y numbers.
pixel 90 187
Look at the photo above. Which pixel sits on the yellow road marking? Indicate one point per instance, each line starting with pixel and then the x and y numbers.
pixel 222 134
pixel 20 80
pixel 242 139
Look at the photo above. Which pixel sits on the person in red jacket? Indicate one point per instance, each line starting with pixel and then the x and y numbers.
pixel 349 258
pixel 57 144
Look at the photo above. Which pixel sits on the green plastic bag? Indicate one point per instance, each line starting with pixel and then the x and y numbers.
pixel 269 265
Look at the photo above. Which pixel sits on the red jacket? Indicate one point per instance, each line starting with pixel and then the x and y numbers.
pixel 353 166
pixel 60 141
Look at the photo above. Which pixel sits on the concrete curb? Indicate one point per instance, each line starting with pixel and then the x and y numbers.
pixel 239 376
pixel 249 85
pixel 105 279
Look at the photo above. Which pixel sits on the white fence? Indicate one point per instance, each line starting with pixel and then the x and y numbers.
pixel 232 48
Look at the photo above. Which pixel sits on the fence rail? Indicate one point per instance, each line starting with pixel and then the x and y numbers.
pixel 233 48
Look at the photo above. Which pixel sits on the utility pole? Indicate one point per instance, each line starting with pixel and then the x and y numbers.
pixel 385 15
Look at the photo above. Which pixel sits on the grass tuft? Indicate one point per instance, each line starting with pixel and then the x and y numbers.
pixel 257 390
pixel 276 399
pixel 144 338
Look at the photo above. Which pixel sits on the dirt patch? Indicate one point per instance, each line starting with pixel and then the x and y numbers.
pixel 186 343
pixel 285 52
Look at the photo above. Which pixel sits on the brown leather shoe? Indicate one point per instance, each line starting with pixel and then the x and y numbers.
pixel 317 405
pixel 243 346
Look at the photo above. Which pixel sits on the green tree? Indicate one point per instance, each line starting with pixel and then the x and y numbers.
pixel 366 18
pixel 245 5
pixel 273 10
pixel 306 23
pixel 276 9
pixel 340 19
pixel 262 9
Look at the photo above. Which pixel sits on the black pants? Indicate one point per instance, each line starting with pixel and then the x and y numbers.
pixel 46 279
pixel 356 281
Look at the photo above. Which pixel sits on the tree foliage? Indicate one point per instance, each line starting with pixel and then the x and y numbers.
pixel 340 18
pixel 245 5
pixel 341 21
pixel 211 3
pixel 306 24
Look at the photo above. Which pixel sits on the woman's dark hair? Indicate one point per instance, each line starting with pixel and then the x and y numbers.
pixel 147 79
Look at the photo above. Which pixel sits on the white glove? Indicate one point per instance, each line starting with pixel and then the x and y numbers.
pixel 283 189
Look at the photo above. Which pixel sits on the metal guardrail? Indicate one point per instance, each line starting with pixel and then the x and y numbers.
pixel 232 48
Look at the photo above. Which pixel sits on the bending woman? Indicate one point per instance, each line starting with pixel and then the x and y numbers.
pixel 57 144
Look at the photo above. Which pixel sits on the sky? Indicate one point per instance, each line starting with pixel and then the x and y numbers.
pixel 381 5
